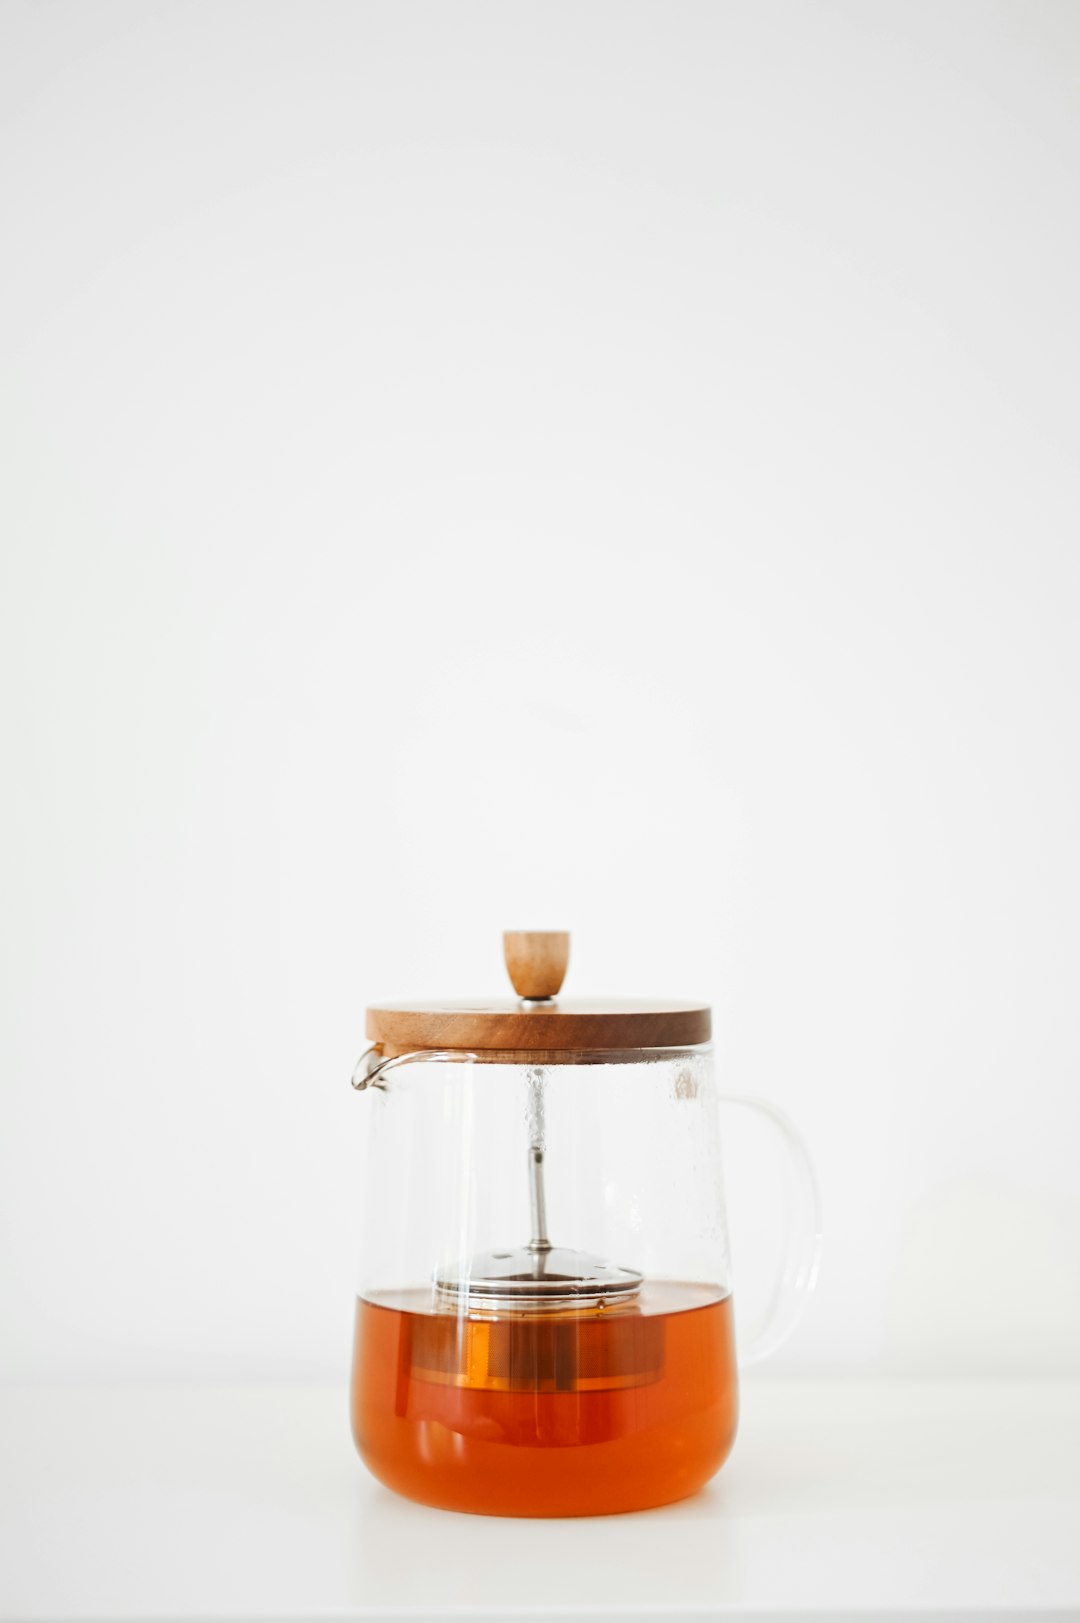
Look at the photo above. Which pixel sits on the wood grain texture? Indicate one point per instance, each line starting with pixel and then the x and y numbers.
pixel 536 961
pixel 571 1027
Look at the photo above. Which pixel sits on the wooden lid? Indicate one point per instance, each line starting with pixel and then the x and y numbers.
pixel 539 1022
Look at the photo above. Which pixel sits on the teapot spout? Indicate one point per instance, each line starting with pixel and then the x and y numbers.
pixel 372 1066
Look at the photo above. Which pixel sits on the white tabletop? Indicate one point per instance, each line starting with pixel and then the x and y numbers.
pixel 905 1499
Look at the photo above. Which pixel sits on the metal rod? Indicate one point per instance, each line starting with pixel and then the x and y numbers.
pixel 539 1245
pixel 539 1241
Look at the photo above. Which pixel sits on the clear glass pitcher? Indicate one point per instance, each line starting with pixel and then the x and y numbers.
pixel 544 1315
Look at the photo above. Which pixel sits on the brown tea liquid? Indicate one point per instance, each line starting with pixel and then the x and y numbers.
pixel 558 1413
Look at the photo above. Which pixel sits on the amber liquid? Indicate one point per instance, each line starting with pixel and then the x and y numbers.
pixel 574 1413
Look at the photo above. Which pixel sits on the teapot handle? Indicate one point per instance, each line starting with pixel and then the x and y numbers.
pixel 802 1241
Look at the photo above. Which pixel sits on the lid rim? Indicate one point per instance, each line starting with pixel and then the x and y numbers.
pixel 573 1026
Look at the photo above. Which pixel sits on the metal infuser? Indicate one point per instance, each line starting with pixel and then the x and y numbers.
pixel 538 1274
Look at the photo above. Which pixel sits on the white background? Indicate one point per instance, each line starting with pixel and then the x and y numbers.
pixel 468 466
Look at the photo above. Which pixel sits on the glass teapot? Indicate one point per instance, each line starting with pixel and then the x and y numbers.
pixel 544 1319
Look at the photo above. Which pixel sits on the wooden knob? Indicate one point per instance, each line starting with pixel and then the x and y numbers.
pixel 536 961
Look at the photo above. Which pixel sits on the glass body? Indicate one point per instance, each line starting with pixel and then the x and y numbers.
pixel 492 1375
pixel 599 1399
